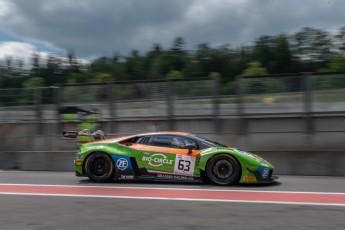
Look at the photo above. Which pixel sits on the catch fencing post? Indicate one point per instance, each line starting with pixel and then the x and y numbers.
pixel 217 126
pixel 112 106
pixel 309 126
pixel 242 126
pixel 170 102
pixel 57 101
pixel 38 108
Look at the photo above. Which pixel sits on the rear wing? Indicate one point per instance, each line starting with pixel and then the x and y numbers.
pixel 84 135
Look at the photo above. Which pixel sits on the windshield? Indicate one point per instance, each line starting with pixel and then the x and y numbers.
pixel 206 142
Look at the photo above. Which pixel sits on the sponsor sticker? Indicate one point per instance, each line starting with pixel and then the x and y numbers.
pixel 157 160
pixel 168 176
pixel 78 163
pixel 122 164
pixel 265 173
pixel 126 177
pixel 249 178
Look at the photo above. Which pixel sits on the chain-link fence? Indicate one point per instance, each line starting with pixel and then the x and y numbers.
pixel 27 105
pixel 266 94
pixel 302 94
pixel 291 94
pixel 327 93
pixel 143 99
pixel 112 101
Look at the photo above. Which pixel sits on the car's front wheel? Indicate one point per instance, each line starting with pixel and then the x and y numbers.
pixel 223 169
pixel 99 167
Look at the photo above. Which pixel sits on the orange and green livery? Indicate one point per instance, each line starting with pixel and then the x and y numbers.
pixel 168 156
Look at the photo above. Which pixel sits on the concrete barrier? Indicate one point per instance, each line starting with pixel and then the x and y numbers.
pixel 37 160
pixel 281 140
pixel 307 163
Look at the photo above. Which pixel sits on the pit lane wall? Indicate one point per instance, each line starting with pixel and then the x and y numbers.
pixel 281 140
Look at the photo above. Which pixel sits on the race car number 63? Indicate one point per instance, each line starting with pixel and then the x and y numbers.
pixel 184 165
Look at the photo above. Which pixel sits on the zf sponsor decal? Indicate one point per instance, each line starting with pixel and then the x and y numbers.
pixel 184 165
pixel 157 160
pixel 122 164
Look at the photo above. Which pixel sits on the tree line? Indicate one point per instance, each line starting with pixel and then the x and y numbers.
pixel 308 50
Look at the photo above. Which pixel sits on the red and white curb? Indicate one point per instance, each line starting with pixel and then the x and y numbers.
pixel 219 195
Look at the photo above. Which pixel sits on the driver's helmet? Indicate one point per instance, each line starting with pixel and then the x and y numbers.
pixel 177 142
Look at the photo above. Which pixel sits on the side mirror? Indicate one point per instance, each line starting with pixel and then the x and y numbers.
pixel 190 147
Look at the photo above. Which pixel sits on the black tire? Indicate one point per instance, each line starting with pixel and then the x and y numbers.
pixel 223 169
pixel 99 167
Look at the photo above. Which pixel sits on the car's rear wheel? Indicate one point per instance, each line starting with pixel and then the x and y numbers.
pixel 223 169
pixel 99 167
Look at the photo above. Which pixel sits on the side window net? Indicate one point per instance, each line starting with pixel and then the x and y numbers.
pixel 143 140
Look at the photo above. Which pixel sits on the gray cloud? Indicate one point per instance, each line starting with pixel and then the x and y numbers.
pixel 93 28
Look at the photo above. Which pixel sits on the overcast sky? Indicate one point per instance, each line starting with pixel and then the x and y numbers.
pixel 94 28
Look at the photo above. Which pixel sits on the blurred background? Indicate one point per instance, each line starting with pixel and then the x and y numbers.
pixel 274 85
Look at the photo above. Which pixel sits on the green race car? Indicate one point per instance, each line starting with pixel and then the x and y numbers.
pixel 168 156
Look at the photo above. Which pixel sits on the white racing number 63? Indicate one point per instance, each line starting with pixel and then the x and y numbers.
pixel 184 165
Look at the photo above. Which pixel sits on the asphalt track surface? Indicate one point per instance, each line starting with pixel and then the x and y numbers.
pixel 59 200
